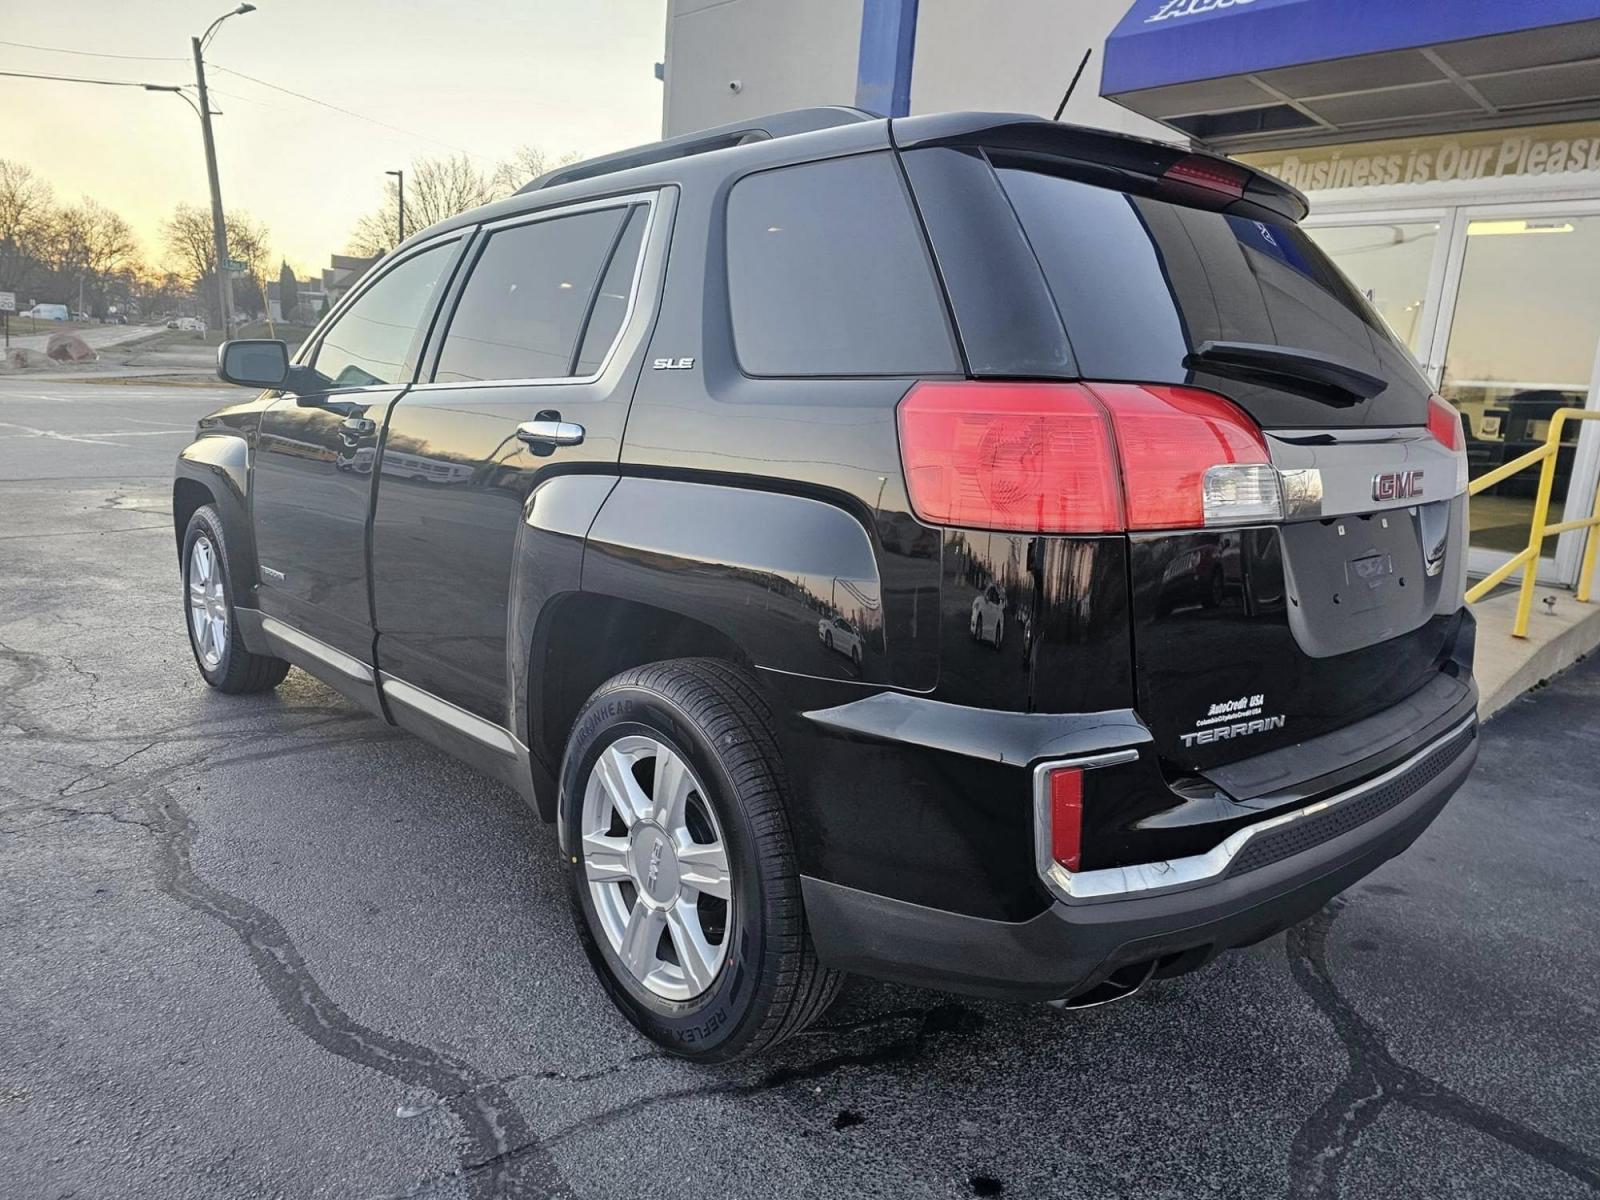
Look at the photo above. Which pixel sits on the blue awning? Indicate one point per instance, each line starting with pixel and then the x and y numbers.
pixel 1229 70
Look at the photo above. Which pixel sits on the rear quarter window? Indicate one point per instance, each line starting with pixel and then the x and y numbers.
pixel 828 274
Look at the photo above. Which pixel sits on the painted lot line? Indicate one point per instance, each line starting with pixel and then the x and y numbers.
pixel 27 431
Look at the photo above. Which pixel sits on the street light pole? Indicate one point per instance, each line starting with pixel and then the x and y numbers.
pixel 219 227
pixel 400 229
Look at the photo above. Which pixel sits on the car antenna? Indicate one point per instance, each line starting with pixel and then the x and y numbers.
pixel 1076 75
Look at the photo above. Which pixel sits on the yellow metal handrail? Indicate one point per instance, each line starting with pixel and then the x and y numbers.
pixel 1528 559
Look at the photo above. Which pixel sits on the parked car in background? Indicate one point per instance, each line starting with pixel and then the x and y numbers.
pixel 987 621
pixel 47 312
pixel 840 635
pixel 638 411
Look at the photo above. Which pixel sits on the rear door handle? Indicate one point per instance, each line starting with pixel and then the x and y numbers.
pixel 551 433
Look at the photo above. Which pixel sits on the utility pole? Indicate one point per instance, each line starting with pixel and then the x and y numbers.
pixel 219 228
pixel 400 228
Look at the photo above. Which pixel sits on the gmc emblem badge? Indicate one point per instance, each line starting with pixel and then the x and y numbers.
pixel 1396 485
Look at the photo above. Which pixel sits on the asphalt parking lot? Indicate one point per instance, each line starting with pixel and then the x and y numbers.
pixel 267 946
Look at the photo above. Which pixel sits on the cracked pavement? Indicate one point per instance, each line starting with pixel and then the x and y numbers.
pixel 267 946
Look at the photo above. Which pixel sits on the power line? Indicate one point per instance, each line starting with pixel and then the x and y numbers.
pixel 352 113
pixel 133 83
pixel 90 53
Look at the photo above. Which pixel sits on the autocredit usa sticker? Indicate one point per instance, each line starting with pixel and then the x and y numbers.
pixel 1233 719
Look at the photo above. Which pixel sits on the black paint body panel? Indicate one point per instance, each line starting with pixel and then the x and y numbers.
pixel 916 675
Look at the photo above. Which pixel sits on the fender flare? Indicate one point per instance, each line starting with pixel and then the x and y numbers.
pixel 220 463
pixel 764 568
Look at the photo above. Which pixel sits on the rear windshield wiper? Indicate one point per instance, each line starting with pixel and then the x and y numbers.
pixel 1330 380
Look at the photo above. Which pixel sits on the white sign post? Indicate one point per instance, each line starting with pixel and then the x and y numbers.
pixel 8 305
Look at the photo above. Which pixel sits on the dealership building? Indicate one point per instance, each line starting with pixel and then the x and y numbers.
pixel 1450 150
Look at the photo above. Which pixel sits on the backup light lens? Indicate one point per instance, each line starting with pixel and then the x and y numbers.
pixel 1066 816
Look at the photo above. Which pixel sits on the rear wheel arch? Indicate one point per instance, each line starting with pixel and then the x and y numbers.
pixel 586 638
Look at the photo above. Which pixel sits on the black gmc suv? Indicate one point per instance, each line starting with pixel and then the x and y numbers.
pixel 965 549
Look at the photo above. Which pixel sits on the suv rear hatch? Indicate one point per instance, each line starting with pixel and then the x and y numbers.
pixel 1170 274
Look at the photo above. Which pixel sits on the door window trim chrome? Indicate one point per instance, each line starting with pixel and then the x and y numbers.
pixel 1179 874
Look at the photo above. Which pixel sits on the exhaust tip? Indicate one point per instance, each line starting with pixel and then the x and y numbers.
pixel 1122 984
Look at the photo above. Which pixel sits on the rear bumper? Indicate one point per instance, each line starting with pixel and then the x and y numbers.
pixel 1269 881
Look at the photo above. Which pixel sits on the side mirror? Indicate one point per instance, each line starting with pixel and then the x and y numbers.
pixel 253 362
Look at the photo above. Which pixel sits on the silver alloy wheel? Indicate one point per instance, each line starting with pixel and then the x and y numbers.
pixel 208 606
pixel 657 867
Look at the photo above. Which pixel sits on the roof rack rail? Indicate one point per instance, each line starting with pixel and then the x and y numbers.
pixel 777 125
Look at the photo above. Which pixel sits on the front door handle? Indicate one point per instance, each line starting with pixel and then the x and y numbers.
pixel 357 427
pixel 551 433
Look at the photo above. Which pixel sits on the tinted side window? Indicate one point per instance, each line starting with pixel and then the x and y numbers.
pixel 828 274
pixel 611 302
pixel 524 305
pixel 367 345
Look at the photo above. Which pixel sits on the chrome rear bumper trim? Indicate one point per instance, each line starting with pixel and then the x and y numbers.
pixel 1176 874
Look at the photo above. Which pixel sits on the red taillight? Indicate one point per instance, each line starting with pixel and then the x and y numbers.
pixel 1082 458
pixel 1066 816
pixel 1444 422
pixel 1029 456
pixel 1168 439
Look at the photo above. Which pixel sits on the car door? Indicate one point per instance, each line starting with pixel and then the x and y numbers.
pixel 541 332
pixel 312 475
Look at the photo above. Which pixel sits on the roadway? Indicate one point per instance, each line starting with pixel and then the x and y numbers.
pixel 267 946
pixel 98 337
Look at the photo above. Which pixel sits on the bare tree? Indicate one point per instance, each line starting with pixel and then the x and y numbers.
pixel 439 188
pixel 192 252
pixel 525 165
pixel 27 206
pixel 89 239
pixel 190 248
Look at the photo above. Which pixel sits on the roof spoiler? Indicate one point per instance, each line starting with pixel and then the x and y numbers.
pixel 777 125
pixel 1171 172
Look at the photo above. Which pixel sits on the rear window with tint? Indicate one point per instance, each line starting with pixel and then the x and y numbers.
pixel 1139 282
pixel 828 274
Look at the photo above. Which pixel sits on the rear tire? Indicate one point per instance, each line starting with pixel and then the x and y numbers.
pixel 210 617
pixel 745 975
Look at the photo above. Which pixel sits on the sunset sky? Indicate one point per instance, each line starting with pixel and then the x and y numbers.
pixel 563 75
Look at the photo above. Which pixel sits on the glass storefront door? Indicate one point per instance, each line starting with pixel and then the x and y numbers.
pixel 1521 344
pixel 1500 305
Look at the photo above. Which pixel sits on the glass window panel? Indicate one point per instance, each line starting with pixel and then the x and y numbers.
pixel 519 315
pixel 1390 263
pixel 1522 345
pixel 367 345
pixel 611 302
pixel 829 274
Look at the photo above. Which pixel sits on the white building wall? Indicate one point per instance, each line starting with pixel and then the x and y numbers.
pixel 997 55
pixel 782 54
pixel 1019 56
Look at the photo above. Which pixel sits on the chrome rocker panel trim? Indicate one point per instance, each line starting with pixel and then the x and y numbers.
pixel 1177 874
pixel 276 631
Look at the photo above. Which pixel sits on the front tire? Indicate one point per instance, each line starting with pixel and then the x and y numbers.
pixel 684 880
pixel 210 617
